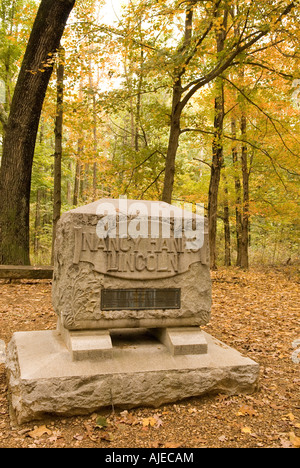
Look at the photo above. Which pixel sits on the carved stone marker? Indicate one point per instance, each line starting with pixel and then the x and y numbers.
pixel 123 264
pixel 141 271
pixel 131 289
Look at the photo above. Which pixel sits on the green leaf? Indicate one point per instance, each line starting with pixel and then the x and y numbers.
pixel 101 422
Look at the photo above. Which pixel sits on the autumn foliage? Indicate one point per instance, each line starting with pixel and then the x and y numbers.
pixel 189 102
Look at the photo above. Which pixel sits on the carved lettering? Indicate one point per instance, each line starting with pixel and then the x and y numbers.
pixel 138 258
pixel 140 262
pixel 151 262
pixel 88 242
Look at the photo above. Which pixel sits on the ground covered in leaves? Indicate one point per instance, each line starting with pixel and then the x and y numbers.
pixel 257 312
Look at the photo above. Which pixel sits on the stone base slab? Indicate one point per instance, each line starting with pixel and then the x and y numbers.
pixel 43 379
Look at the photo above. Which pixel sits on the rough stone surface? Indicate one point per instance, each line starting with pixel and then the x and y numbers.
pixel 85 265
pixel 43 379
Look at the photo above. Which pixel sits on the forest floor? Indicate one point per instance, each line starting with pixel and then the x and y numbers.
pixel 256 312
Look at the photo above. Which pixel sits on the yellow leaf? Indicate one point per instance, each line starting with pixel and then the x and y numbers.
pixel 246 410
pixel 246 430
pixel 149 422
pixel 294 440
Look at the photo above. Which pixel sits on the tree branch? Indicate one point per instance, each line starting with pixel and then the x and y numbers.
pixel 218 70
pixel 152 183
pixel 247 142
pixel 203 162
pixel 272 120
pixel 222 66
pixel 265 67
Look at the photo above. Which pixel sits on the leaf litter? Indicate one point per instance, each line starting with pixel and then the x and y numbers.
pixel 255 312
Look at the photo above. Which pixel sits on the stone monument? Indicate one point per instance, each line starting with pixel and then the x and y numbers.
pixel 131 289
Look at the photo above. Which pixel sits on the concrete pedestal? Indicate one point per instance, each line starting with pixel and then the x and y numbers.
pixel 139 371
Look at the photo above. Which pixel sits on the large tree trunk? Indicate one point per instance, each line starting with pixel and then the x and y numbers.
pixel 217 150
pixel 22 127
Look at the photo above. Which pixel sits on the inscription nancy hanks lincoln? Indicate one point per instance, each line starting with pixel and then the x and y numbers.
pixel 141 241
pixel 145 250
pixel 135 258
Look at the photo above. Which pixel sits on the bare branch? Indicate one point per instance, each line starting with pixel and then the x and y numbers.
pixel 265 67
pixel 203 162
pixel 152 183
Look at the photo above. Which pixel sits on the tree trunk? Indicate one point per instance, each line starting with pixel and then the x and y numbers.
pixel 217 149
pixel 227 237
pixel 22 127
pixel 238 200
pixel 58 131
pixel 216 166
pixel 77 179
pixel 176 112
pixel 245 218
pixel 69 186
pixel 173 143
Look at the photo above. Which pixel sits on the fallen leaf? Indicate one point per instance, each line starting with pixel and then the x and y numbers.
pixel 291 417
pixel 246 430
pixel 101 422
pixel 192 410
pixel 149 422
pixel 285 443
pixel 107 436
pixel 294 440
pixel 246 411
pixel 39 431
pixel 128 418
pixel 89 430
pixel 56 435
pixel 158 421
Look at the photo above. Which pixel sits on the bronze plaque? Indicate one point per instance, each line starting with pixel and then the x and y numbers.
pixel 137 299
